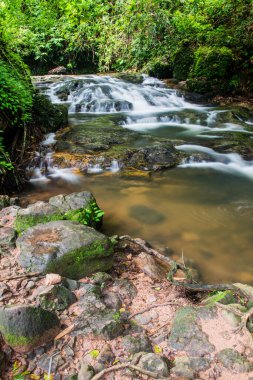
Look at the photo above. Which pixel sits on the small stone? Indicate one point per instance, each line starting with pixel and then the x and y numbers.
pixel 233 360
pixel 30 285
pixel 133 344
pixel 54 297
pixel 155 364
pixel 68 352
pixel 145 318
pixel 101 278
pixel 55 360
pixel 106 355
pixel 53 279
pixel 151 299
pixel 112 300
pixel 71 284
pixel 150 266
pixel 4 288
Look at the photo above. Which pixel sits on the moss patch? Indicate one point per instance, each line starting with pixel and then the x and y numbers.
pixel 23 222
pixel 84 261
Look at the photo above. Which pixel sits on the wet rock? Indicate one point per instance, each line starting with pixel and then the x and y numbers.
pixel 57 70
pixel 7 240
pixel 233 360
pixel 133 344
pixel 54 297
pixel 27 327
pixel 155 364
pixel 86 372
pixel 44 362
pixel 66 248
pixel 39 212
pixel 156 157
pixel 186 334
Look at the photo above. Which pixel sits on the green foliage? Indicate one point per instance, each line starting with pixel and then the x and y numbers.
pixel 155 36
pixel 90 216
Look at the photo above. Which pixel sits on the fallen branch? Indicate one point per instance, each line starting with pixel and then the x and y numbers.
pixel 25 275
pixel 172 303
pixel 205 288
pixel 151 251
pixel 119 367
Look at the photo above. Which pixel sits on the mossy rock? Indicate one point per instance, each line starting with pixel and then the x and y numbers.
pixel 26 327
pixel 39 212
pixel 65 247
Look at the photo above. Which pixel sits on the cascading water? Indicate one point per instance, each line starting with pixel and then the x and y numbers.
pixel 42 169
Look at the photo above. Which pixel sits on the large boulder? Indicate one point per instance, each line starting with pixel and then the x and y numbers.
pixel 80 207
pixel 74 201
pixel 39 212
pixel 26 327
pixel 65 247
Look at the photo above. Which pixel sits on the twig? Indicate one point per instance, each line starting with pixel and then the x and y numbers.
pixel 50 364
pixel 159 328
pixel 64 332
pixel 33 274
pixel 173 303
pixel 119 367
pixel 152 251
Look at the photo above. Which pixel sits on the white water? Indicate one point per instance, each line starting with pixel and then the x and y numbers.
pixel 231 163
pixel 149 107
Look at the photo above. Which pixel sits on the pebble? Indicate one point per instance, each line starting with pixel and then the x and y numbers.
pixel 30 285
pixel 52 279
pixel 151 299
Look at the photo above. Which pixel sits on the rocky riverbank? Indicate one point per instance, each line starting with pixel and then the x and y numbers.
pixel 76 304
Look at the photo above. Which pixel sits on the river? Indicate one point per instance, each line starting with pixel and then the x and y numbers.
pixel 201 209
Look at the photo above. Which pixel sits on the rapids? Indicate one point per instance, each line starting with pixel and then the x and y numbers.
pixel 204 207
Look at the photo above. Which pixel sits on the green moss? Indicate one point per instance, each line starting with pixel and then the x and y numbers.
pixel 84 261
pixel 19 340
pixel 182 63
pixel 23 222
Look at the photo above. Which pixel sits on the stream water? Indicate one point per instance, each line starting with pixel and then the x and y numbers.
pixel 203 207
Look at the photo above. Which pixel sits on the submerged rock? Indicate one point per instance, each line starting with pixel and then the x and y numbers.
pixel 65 247
pixel 27 327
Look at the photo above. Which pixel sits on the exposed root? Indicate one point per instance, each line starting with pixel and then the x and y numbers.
pixel 151 251
pixel 173 303
pixel 244 319
pixel 25 275
pixel 119 367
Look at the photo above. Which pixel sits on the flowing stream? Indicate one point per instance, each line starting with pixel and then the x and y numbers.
pixel 203 207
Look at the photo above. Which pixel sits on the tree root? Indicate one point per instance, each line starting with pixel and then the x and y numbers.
pixel 119 367
pixel 151 251
pixel 172 303
pixel 25 275
pixel 244 319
